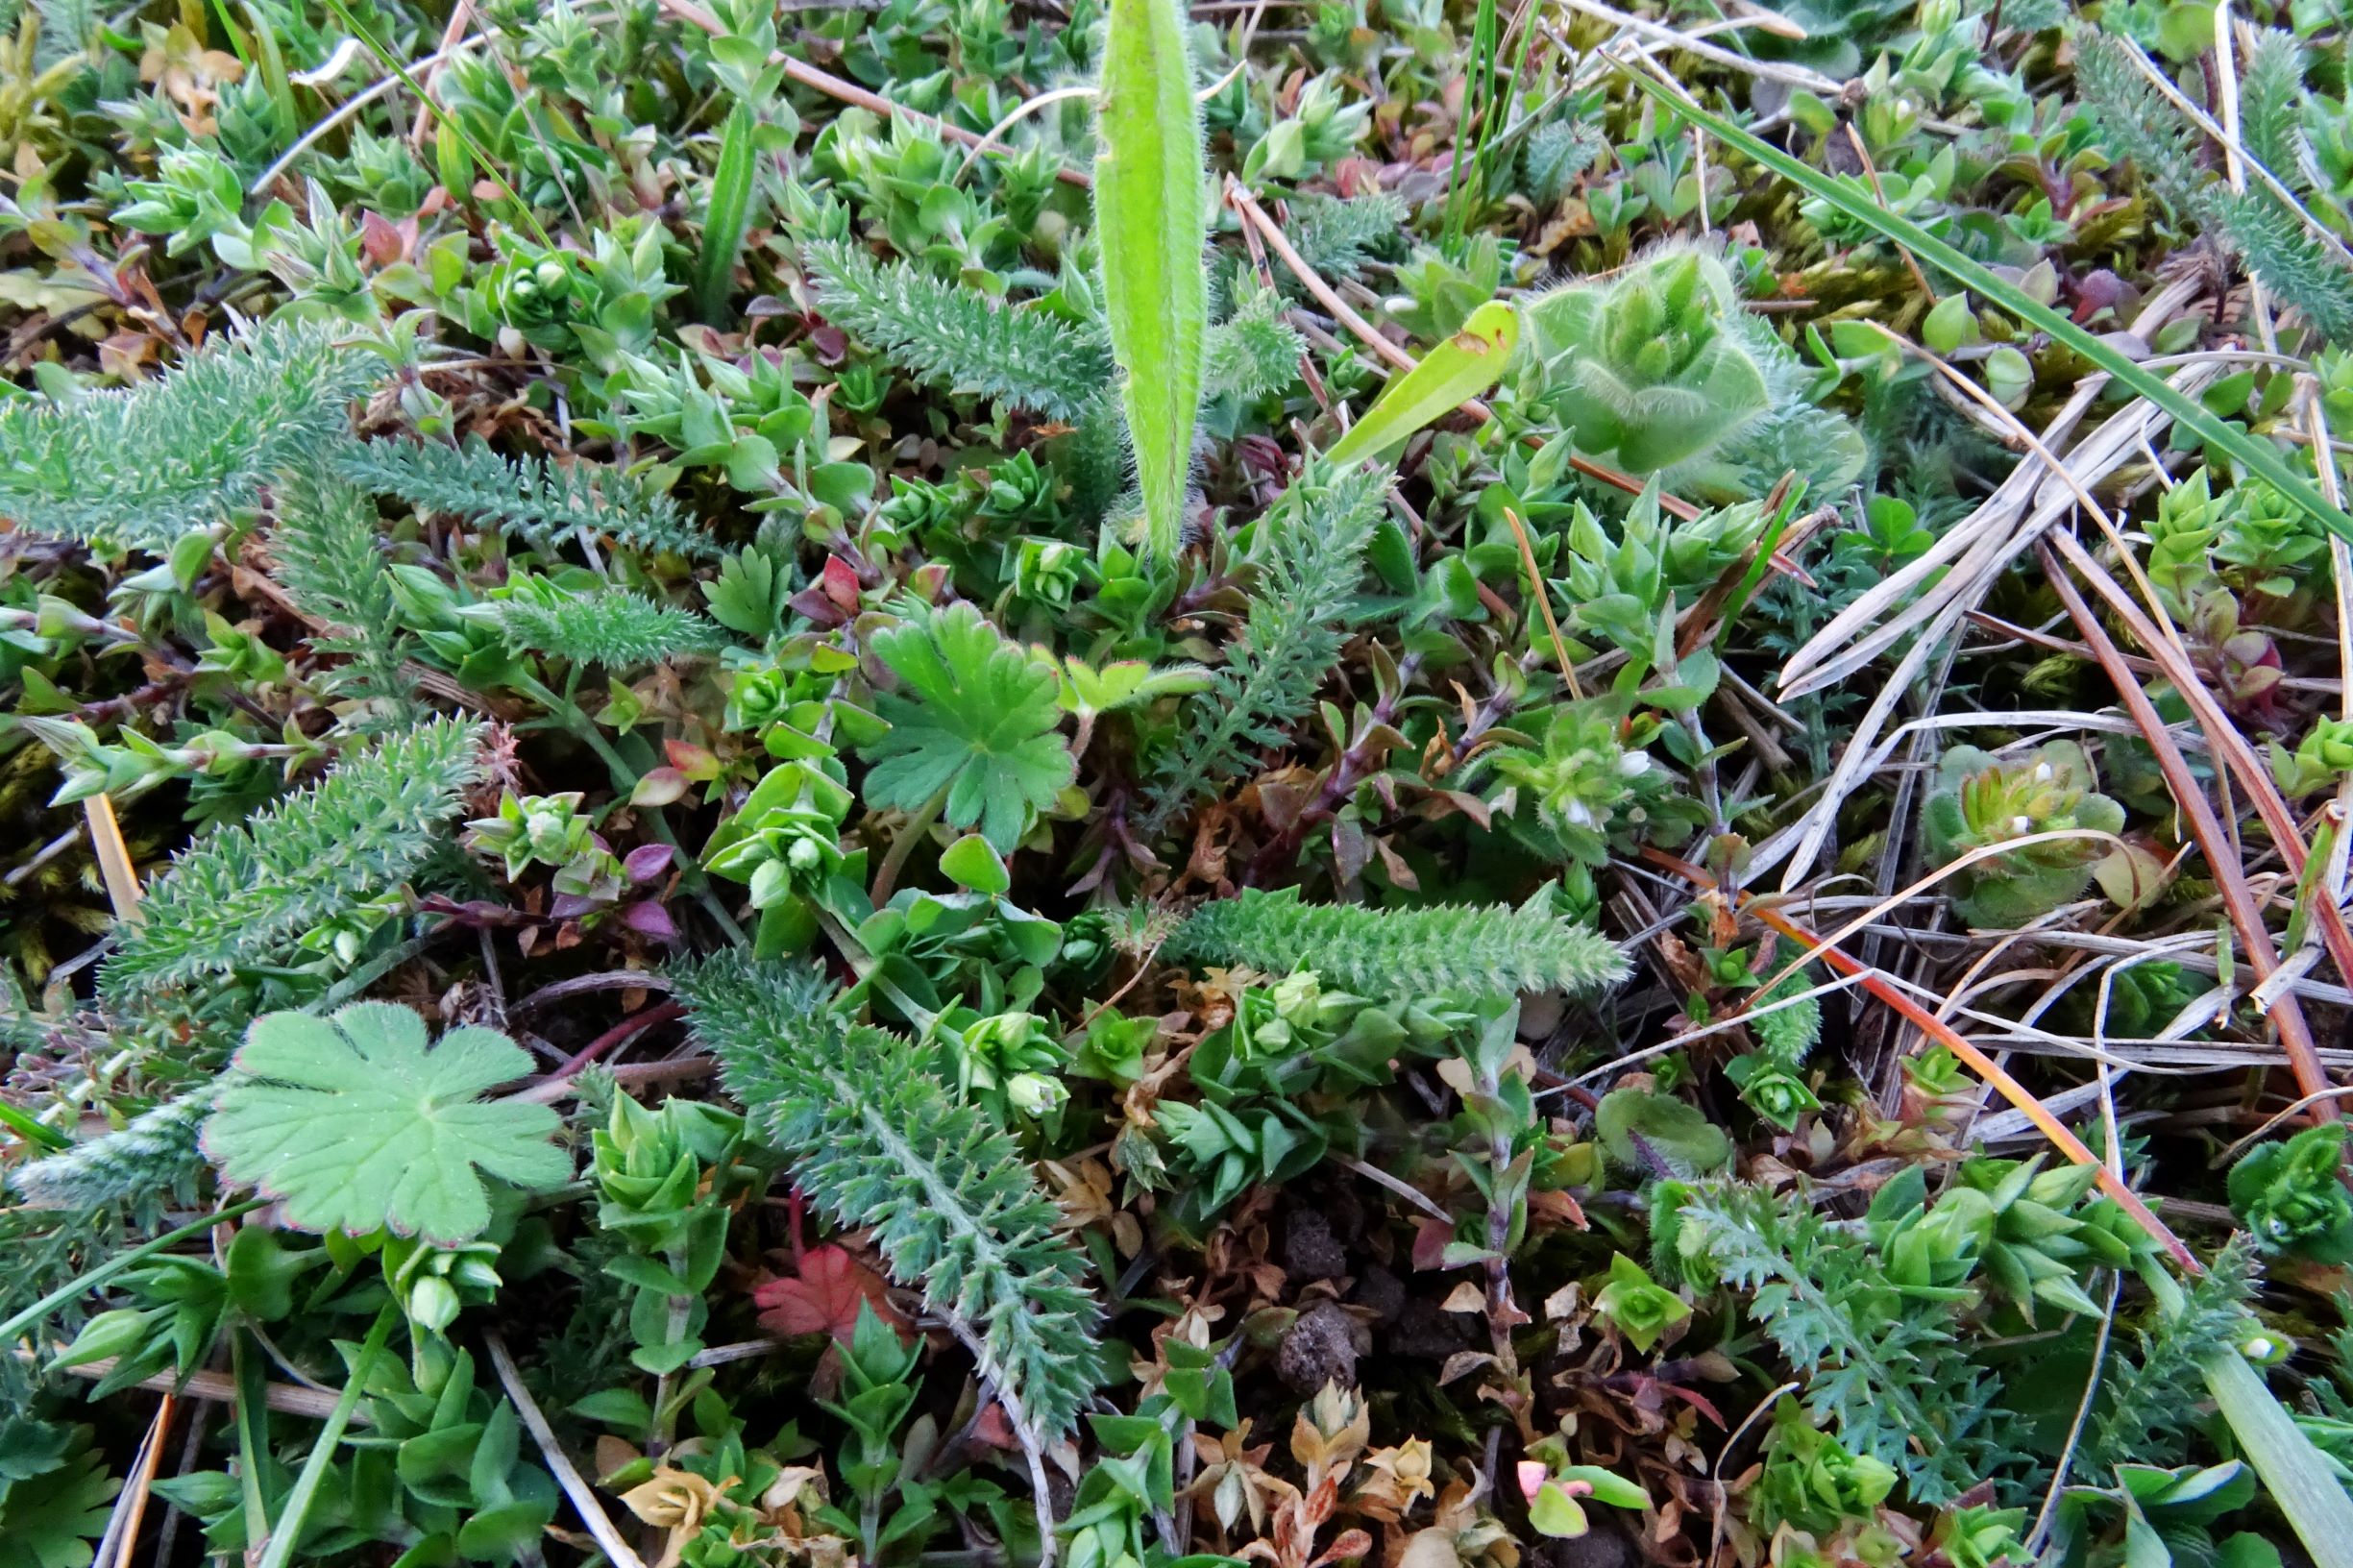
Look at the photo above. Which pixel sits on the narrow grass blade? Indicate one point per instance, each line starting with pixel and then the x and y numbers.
pixel 2257 457
pixel 1152 226
pixel 286 1536
pixel 2293 1471
pixel 1452 374
pixel 729 217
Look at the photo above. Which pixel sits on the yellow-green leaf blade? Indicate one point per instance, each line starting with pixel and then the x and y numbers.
pixel 1454 372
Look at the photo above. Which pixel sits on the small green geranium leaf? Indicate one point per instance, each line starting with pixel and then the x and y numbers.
pixel 356 1123
pixel 973 722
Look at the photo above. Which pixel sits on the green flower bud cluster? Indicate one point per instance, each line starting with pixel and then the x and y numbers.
pixel 2290 1195
pixel 1983 800
pixel 433 1284
pixel 1593 787
pixel 1010 1062
pixel 1638 1306
pixel 786 842
pixel 2319 761
pixel 2026 1232
pixel 1642 367
pixel 549 830
pixel 668 1183
pixel 1811 1482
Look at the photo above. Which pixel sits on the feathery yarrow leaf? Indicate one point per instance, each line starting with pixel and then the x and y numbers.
pixel 2142 128
pixel 2273 241
pixel 2153 1404
pixel 2282 251
pixel 1337 236
pixel 137 469
pixel 1402 952
pixel 530 497
pixel 880 1142
pixel 2271 104
pixel 330 556
pixel 956 339
pixel 1254 350
pixel 156 1154
pixel 1313 540
pixel 1878 1362
pixel 612 627
pixel 243 894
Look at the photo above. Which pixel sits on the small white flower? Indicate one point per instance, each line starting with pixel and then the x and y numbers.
pixel 2041 773
pixel 1634 764
pixel 1577 814
pixel 2021 824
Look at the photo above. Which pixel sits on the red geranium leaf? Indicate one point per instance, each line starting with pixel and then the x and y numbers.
pixel 824 1297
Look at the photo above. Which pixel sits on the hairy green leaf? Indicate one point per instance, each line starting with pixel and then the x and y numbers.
pixel 355 1124
pixel 973 721
pixel 1402 952
pixel 1151 225
pixel 729 214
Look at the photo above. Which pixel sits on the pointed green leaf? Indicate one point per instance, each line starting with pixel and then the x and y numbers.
pixel 1452 374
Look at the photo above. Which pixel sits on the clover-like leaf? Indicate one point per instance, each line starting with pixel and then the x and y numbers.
pixel 356 1123
pixel 973 724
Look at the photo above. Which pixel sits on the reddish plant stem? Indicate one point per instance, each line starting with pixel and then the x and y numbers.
pixel 636 1023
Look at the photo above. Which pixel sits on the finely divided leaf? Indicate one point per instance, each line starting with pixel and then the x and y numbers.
pixel 243 896
pixel 1402 952
pixel 356 1124
pixel 1152 229
pixel 975 716
pixel 881 1143
pixel 139 468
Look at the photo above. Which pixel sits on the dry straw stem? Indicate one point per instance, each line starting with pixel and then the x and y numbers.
pixel 1982 1064
pixel 2164 642
pixel 1990 537
pixel 566 1474
pixel 2285 1013
pixel 121 876
pixel 122 1535
pixel 212 1387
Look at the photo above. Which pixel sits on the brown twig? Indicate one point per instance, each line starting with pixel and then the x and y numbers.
pixel 2286 1013
pixel 636 1023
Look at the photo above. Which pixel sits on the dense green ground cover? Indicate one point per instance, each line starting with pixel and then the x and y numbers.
pixel 946 783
